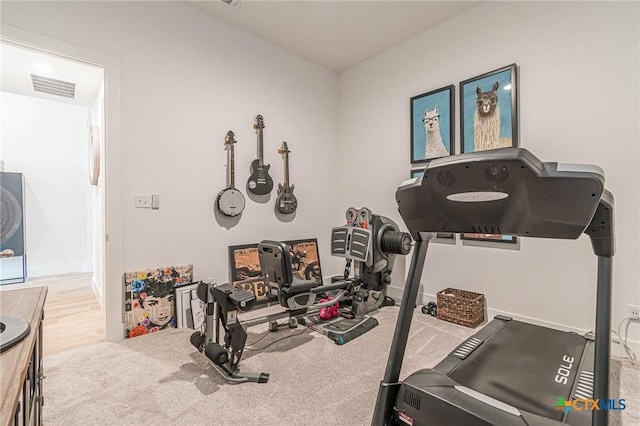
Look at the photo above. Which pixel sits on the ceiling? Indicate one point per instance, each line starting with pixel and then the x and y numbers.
pixel 335 34
pixel 18 64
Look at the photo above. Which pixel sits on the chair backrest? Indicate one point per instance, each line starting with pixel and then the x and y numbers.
pixel 275 262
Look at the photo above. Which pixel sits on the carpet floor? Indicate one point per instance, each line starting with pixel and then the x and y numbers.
pixel 160 379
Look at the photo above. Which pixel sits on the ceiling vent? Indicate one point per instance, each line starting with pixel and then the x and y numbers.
pixel 235 3
pixel 53 86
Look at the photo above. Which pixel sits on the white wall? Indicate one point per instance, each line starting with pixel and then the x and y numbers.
pixel 46 141
pixel 186 79
pixel 96 223
pixel 578 103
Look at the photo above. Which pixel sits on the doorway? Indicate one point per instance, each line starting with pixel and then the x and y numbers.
pixel 52 110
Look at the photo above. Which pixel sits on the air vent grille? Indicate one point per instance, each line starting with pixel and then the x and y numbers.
pixel 53 87
pixel 488 229
pixel 412 399
pixel 235 3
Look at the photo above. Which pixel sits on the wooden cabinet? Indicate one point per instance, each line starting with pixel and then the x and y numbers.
pixel 21 365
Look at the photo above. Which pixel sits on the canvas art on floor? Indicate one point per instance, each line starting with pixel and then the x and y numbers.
pixel 149 294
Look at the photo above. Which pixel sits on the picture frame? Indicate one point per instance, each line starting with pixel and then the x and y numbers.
pixel 416 173
pixel 440 235
pixel 244 270
pixel 489 120
pixel 244 265
pixel 189 309
pixel 494 238
pixel 305 259
pixel 149 295
pixel 432 124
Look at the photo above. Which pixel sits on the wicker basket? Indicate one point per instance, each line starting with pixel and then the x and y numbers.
pixel 461 307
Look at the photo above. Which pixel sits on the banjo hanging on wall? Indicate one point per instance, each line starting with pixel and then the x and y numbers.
pixel 230 201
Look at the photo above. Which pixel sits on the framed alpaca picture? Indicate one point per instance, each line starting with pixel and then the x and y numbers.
pixel 489 110
pixel 432 125
pixel 439 235
pixel 489 120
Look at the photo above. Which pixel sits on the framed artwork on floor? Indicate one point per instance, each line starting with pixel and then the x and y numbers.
pixel 245 265
pixel 149 298
pixel 305 259
pixel 432 125
pixel 190 310
pixel 245 270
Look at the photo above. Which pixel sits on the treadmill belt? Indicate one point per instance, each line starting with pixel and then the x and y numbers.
pixel 519 365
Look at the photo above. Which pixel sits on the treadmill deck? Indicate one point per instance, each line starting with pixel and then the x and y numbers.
pixel 524 365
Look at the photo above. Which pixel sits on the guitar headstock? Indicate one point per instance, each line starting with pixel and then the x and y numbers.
pixel 284 149
pixel 259 123
pixel 230 138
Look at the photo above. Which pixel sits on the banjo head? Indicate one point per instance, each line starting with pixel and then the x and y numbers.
pixel 230 202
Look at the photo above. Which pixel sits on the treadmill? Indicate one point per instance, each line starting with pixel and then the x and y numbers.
pixel 510 372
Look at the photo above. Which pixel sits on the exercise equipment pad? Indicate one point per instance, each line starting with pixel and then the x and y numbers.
pixel 342 330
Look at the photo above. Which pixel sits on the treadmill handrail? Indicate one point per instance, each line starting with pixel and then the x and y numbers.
pixel 425 209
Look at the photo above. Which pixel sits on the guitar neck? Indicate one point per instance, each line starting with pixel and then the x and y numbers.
pixel 260 148
pixel 231 165
pixel 286 169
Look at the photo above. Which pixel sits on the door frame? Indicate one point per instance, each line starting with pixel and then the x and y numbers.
pixel 112 178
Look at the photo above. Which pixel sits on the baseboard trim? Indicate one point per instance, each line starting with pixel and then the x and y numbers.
pixel 97 291
pixel 56 270
pixel 616 349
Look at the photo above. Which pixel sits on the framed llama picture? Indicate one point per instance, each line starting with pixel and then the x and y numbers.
pixel 489 110
pixel 432 125
pixel 489 120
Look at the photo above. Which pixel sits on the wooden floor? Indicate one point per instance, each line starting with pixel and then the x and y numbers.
pixel 73 317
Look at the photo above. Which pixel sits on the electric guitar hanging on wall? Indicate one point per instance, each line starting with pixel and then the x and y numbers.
pixel 230 201
pixel 286 203
pixel 260 183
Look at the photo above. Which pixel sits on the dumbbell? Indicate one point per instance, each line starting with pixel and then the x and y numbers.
pixel 430 309
pixel 329 312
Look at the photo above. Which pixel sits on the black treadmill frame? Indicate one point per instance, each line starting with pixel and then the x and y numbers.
pixel 601 231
